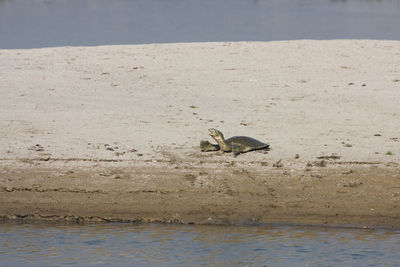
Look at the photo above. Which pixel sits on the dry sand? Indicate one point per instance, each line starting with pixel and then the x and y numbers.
pixel 111 133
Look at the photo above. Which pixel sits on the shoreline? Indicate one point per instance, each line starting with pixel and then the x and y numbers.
pixel 112 133
pixel 213 192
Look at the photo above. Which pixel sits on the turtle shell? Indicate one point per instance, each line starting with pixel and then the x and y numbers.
pixel 247 141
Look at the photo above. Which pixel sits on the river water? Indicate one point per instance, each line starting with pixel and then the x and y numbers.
pixel 44 23
pixel 43 244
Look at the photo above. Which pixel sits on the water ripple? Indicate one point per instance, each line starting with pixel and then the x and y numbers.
pixel 182 245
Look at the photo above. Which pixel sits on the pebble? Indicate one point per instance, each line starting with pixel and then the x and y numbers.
pixel 278 164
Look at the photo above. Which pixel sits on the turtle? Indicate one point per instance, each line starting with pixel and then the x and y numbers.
pixel 207 146
pixel 236 144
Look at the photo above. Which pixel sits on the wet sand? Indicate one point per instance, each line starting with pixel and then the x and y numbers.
pixel 111 133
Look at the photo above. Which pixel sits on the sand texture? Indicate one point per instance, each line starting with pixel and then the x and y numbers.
pixel 112 133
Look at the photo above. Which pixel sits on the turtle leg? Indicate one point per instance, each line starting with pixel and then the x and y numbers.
pixel 236 149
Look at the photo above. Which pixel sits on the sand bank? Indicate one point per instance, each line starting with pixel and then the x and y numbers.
pixel 112 132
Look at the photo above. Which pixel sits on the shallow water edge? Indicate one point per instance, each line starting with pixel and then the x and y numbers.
pixel 34 219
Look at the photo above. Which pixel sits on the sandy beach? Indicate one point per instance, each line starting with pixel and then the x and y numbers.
pixel 112 133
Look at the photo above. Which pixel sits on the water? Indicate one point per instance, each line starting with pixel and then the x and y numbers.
pixel 189 245
pixel 44 23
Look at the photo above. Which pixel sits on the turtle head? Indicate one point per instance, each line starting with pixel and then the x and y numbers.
pixel 214 133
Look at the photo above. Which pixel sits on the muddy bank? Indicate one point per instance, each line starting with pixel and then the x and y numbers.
pixel 205 191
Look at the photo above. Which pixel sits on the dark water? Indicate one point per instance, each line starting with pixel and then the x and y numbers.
pixel 180 245
pixel 44 23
